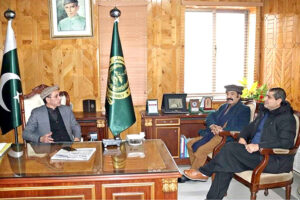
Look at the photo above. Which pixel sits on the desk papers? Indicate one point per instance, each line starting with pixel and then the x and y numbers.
pixel 3 147
pixel 80 154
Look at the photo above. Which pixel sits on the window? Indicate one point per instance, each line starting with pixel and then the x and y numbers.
pixel 219 50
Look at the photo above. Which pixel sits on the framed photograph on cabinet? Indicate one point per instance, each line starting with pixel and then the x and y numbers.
pixel 206 103
pixel 194 106
pixel 174 104
pixel 70 18
pixel 151 107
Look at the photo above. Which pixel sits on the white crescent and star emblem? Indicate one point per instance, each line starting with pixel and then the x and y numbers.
pixel 4 78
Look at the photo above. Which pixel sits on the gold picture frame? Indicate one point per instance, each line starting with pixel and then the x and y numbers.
pixel 206 103
pixel 63 25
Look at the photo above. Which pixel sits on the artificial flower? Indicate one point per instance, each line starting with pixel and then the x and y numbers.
pixel 254 92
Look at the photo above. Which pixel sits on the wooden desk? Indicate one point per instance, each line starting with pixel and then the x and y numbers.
pixel 110 174
pixel 92 122
pixel 169 127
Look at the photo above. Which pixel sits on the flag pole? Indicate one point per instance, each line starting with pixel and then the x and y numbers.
pixel 10 15
pixel 16 150
pixel 116 13
pixel 16 135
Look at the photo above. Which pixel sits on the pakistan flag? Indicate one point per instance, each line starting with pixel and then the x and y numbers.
pixel 10 84
pixel 118 104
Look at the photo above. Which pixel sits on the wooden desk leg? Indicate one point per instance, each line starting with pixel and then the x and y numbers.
pixel 101 126
pixel 170 188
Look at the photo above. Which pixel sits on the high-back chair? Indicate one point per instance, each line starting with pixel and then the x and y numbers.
pixel 252 105
pixel 234 134
pixel 256 179
pixel 33 100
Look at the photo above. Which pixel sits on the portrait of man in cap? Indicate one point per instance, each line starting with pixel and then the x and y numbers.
pixel 72 21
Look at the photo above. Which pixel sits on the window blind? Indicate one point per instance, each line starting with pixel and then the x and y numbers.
pixel 133 36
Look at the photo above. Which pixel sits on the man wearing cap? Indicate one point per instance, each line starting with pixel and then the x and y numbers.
pixel 274 127
pixel 52 122
pixel 73 22
pixel 231 116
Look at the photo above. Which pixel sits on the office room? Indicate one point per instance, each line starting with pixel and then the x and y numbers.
pixel 188 48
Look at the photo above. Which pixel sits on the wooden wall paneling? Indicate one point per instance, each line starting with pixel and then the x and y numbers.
pixel 295 87
pixel 182 52
pixel 296 76
pixel 154 50
pixel 222 2
pixel 280 64
pixel 164 47
pixel 286 72
pixel 258 37
pixel 267 51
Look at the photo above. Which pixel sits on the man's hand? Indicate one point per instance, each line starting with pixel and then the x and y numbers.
pixel 252 147
pixel 242 141
pixel 47 138
pixel 76 139
pixel 215 129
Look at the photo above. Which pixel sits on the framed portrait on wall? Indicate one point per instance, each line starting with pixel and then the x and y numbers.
pixel 70 18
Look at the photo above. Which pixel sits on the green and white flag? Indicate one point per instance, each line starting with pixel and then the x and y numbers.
pixel 10 84
pixel 118 104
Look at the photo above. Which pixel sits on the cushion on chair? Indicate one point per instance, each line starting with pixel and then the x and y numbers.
pixel 266 178
pixel 36 101
pixel 30 104
pixel 297 127
pixel 63 100
pixel 252 106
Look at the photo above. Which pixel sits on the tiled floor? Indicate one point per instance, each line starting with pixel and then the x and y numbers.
pixel 191 190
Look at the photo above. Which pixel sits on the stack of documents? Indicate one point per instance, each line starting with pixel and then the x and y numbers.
pixel 79 154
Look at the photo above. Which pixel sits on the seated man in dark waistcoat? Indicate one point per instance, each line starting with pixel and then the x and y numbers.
pixel 52 122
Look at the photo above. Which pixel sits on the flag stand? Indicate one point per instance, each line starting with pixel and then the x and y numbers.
pixel 111 142
pixel 16 150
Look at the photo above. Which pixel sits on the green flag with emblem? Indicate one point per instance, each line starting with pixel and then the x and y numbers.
pixel 118 103
pixel 10 84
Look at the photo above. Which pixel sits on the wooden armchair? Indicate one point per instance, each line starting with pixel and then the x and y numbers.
pixel 256 179
pixel 234 134
pixel 33 100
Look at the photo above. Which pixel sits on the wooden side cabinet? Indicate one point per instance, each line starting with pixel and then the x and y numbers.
pixel 169 127
pixel 92 123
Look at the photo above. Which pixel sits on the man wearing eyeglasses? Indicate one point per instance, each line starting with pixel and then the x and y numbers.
pixel 52 122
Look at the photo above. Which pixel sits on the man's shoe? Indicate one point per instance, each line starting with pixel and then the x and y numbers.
pixel 194 174
pixel 183 179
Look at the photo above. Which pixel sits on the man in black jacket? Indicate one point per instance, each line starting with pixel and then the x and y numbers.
pixel 274 127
